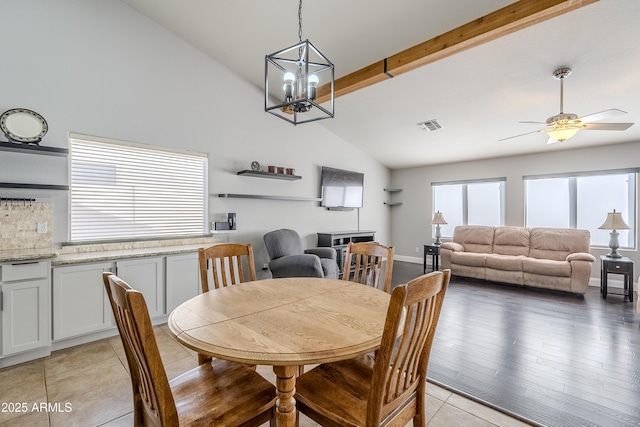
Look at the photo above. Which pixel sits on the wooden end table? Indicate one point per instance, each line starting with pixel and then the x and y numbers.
pixel 434 251
pixel 622 266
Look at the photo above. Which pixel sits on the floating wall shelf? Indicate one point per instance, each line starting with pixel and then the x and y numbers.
pixel 32 149
pixel 255 196
pixel 272 175
pixel 393 190
pixel 33 186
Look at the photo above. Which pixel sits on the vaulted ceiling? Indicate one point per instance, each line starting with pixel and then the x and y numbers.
pixel 478 94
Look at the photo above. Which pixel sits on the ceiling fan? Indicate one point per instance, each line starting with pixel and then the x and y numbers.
pixel 563 126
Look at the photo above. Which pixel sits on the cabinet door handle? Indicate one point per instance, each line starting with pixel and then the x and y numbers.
pixel 25 263
pixel 1 301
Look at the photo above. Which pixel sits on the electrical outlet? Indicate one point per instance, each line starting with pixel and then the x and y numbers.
pixel 417 249
pixel 42 227
pixel 265 266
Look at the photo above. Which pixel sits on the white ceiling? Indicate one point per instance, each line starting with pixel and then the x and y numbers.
pixel 478 95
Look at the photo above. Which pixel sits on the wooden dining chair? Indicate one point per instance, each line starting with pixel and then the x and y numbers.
pixel 213 394
pixel 390 390
pixel 363 263
pixel 226 264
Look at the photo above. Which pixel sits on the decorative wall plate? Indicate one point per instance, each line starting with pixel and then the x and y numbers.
pixel 255 166
pixel 22 125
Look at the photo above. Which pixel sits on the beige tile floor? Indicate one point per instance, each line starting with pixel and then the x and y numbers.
pixel 88 385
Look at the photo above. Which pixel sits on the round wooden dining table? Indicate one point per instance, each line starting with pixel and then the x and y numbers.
pixel 285 323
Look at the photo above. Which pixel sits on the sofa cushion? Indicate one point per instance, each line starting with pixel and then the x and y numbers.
pixel 511 241
pixel 474 238
pixel 473 272
pixel 505 262
pixel 504 276
pixel 546 267
pixel 548 282
pixel 470 259
pixel 557 243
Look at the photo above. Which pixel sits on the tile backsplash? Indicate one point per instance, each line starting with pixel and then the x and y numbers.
pixel 19 225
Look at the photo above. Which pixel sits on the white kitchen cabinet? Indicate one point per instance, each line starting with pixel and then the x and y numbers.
pixel 80 302
pixel 24 302
pixel 182 278
pixel 147 276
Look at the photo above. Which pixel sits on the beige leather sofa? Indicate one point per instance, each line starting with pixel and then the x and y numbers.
pixel 553 258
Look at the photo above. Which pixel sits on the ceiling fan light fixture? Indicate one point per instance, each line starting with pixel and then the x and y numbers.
pixel 564 118
pixel 563 133
pixel 563 126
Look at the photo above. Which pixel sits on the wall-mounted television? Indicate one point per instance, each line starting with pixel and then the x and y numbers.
pixel 341 189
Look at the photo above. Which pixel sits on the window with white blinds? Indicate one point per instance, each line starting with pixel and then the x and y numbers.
pixel 121 190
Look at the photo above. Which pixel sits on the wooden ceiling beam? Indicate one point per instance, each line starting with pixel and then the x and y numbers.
pixel 507 20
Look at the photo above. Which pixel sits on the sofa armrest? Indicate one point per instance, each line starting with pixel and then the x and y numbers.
pixel 303 265
pixel 581 256
pixel 581 263
pixel 329 253
pixel 452 246
pixel 446 249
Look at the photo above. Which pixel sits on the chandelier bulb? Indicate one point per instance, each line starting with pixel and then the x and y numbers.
pixel 289 77
pixel 312 81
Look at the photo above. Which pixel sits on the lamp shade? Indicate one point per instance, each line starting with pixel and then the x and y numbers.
pixel 614 221
pixel 438 218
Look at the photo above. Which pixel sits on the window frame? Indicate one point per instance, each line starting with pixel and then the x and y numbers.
pixel 465 198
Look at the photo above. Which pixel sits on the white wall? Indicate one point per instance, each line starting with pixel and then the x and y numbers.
pixel 411 221
pixel 97 67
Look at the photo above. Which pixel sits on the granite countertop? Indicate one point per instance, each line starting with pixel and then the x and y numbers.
pixel 17 255
pixel 123 254
pixel 106 252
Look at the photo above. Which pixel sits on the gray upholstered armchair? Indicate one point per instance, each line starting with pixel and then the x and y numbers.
pixel 289 259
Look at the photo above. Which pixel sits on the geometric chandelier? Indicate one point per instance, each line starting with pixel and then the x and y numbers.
pixel 294 78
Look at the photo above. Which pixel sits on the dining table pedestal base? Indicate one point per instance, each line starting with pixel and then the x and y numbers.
pixel 286 414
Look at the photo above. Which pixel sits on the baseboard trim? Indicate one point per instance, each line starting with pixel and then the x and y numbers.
pixel 405 258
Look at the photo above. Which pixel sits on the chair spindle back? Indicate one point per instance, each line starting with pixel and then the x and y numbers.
pixel 224 263
pixel 363 263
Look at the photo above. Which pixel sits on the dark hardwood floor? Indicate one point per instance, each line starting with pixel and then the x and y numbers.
pixel 548 358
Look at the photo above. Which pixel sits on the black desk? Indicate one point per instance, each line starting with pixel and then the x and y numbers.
pixel 434 251
pixel 622 266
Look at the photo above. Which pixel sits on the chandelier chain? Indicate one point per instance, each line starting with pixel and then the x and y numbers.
pixel 300 20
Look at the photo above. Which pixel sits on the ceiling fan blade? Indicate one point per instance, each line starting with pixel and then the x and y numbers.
pixel 522 134
pixel 529 121
pixel 552 141
pixel 607 126
pixel 602 115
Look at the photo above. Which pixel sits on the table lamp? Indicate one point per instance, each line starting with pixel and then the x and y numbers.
pixel 614 222
pixel 437 220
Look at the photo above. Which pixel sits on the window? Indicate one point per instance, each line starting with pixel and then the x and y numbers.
pixel 123 190
pixel 582 201
pixel 469 203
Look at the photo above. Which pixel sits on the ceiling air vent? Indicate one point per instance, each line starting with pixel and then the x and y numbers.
pixel 430 125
